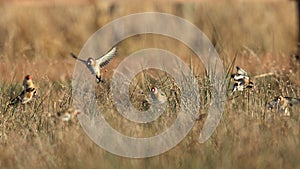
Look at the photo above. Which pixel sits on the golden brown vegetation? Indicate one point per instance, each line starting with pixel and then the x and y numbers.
pixel 37 40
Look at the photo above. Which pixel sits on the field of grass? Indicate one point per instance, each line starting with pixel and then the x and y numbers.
pixel 36 39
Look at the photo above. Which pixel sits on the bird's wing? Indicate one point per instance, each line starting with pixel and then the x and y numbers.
pixel 75 57
pixel 153 97
pixel 24 83
pixel 238 77
pixel 84 62
pixel 17 99
pixel 234 87
pixel 14 101
pixel 28 95
pixel 104 60
pixel 241 71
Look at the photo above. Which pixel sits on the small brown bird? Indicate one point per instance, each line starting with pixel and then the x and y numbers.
pixel 281 104
pixel 95 65
pixel 157 95
pixel 67 114
pixel 24 97
pixel 241 80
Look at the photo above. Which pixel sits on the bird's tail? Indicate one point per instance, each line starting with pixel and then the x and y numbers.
pixel 14 101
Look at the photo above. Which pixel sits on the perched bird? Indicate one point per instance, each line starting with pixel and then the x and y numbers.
pixel 241 80
pixel 29 92
pixel 95 65
pixel 67 114
pixel 281 104
pixel 157 95
pixel 24 97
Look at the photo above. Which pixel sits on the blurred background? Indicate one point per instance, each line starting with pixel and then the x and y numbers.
pixel 36 37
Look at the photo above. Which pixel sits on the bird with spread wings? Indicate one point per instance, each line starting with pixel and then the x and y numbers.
pixel 95 65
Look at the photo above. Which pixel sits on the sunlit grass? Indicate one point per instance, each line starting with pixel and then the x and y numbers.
pixel 38 40
pixel 248 134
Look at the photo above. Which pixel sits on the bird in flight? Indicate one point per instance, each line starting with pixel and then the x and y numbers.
pixel 241 80
pixel 281 104
pixel 240 74
pixel 95 65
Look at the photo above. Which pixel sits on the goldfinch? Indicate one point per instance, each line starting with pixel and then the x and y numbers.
pixel 281 104
pixel 157 95
pixel 95 65
pixel 29 91
pixel 24 97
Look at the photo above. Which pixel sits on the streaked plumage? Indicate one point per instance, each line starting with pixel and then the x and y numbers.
pixel 281 104
pixel 95 65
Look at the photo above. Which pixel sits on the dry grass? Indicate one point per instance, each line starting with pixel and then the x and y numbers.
pixel 37 40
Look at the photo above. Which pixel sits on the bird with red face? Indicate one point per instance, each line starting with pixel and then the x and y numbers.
pixel 28 93
pixel 27 82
